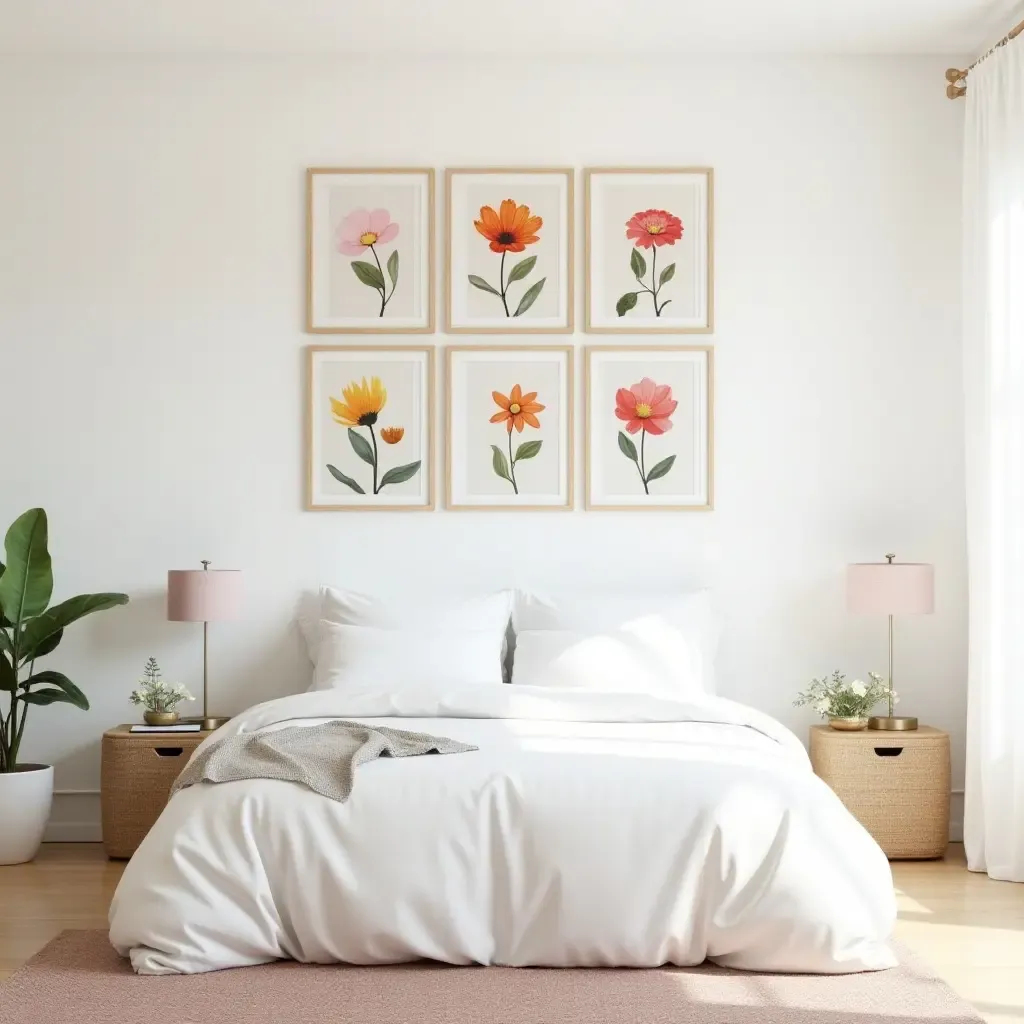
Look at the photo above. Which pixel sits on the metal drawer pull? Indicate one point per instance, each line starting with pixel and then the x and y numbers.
pixel 169 751
pixel 888 751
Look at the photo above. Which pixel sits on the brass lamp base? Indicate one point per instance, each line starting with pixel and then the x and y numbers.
pixel 892 723
pixel 208 722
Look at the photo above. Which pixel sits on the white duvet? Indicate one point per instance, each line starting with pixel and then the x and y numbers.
pixel 589 829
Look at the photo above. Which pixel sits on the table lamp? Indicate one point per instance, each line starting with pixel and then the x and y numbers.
pixel 890 588
pixel 204 595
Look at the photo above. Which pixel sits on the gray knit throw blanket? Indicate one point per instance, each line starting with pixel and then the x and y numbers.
pixel 322 758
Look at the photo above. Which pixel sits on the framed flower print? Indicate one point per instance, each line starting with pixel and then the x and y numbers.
pixel 370 255
pixel 510 251
pixel 369 428
pixel 649 427
pixel 510 427
pixel 649 241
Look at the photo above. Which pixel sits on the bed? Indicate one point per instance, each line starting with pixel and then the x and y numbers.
pixel 588 829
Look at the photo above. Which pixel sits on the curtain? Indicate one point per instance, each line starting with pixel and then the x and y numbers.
pixel 994 419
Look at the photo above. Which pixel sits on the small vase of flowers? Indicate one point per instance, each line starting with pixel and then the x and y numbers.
pixel 157 697
pixel 845 705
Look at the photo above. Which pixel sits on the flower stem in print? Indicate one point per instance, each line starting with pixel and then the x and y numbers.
pixel 511 229
pixel 360 407
pixel 516 410
pixel 649 230
pixel 646 408
pixel 364 230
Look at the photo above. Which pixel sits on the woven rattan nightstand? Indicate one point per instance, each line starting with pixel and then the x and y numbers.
pixel 896 784
pixel 138 770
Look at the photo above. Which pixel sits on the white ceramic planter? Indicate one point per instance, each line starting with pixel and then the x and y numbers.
pixel 25 799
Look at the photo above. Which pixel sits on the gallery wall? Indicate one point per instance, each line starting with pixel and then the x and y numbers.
pixel 151 310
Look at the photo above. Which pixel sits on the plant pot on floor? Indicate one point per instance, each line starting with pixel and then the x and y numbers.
pixel 25 798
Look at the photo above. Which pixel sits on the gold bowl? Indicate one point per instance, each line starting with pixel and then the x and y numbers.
pixel 847 724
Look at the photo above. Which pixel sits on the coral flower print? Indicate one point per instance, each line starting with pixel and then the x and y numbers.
pixel 654 227
pixel 650 229
pixel 510 229
pixel 519 411
pixel 645 407
pixel 364 231
pixel 360 406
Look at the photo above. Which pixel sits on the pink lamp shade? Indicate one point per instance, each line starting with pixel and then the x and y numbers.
pixel 890 588
pixel 204 595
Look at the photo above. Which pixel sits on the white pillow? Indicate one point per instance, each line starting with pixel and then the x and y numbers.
pixel 489 613
pixel 363 656
pixel 663 646
pixel 394 643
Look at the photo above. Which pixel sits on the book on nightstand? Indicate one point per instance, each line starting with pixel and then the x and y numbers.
pixel 181 727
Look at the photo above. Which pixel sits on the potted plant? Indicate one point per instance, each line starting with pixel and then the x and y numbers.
pixel 30 630
pixel 845 705
pixel 157 697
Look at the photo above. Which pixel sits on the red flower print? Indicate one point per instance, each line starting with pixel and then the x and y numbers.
pixel 646 406
pixel 654 227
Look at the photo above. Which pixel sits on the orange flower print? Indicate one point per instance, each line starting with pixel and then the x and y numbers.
pixel 392 435
pixel 511 229
pixel 517 410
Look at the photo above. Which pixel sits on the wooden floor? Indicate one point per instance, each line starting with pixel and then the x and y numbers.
pixel 968 927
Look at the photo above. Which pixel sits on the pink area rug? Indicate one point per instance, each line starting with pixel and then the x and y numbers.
pixel 78 979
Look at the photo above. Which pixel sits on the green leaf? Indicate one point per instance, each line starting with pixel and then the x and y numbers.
pixel 347 480
pixel 637 264
pixel 527 450
pixel 393 269
pixel 667 274
pixel 626 303
pixel 628 448
pixel 47 696
pixel 48 645
pixel 27 582
pixel 529 297
pixel 500 463
pixel 5 641
pixel 659 470
pixel 368 274
pixel 521 269
pixel 8 677
pixel 479 282
pixel 399 474
pixel 361 446
pixel 40 630
pixel 5 623
pixel 61 681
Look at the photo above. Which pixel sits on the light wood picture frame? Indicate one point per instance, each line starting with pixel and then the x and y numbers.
pixel 509 416
pixel 370 250
pixel 370 428
pixel 649 427
pixel 649 250
pixel 510 250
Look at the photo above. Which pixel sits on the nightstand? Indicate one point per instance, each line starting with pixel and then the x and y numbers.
pixel 136 775
pixel 896 784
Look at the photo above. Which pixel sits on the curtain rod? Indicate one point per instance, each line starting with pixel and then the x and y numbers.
pixel 958 79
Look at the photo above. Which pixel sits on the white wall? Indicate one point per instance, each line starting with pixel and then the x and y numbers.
pixel 151 288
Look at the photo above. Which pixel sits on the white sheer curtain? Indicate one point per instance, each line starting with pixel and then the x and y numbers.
pixel 994 410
